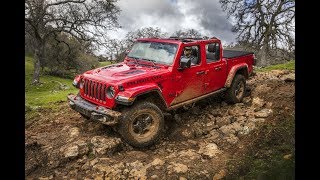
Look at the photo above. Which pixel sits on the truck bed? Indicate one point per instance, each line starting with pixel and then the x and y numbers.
pixel 233 53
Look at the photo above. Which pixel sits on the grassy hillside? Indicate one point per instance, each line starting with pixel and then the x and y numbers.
pixel 53 89
pixel 290 65
pixel 104 63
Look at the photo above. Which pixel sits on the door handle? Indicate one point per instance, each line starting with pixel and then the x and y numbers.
pixel 200 72
pixel 217 68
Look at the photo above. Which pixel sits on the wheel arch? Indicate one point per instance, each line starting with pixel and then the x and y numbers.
pixel 239 69
pixel 153 96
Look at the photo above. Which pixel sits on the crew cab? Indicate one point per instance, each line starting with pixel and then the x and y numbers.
pixel 155 78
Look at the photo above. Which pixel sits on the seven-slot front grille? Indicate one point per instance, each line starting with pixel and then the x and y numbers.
pixel 94 90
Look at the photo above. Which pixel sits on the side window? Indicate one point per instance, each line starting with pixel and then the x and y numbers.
pixel 193 53
pixel 212 52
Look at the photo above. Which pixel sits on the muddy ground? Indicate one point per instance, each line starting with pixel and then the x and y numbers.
pixel 200 139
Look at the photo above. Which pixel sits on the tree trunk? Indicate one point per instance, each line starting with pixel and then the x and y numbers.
pixel 263 56
pixel 265 47
pixel 38 58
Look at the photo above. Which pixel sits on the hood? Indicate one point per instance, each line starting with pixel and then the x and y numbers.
pixel 122 72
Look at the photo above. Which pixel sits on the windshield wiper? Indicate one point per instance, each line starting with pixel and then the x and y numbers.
pixel 153 61
pixel 135 59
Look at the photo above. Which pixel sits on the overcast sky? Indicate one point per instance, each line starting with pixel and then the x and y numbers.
pixel 206 16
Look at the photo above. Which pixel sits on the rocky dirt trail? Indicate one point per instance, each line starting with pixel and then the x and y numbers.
pixel 199 139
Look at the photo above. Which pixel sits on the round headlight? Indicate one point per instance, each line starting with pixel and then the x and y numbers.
pixel 110 92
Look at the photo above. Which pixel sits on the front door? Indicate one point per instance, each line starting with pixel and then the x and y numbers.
pixel 189 82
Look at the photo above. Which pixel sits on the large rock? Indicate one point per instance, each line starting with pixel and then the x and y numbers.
pixel 214 135
pixel 74 132
pixel 264 113
pixel 236 126
pixel 232 139
pixel 227 129
pixel 236 111
pixel 157 162
pixel 257 102
pixel 82 146
pixel 102 145
pixel 246 100
pixel 189 155
pixel 75 149
pixel 154 177
pixel 177 168
pixel 288 77
pixel 209 150
pixel 199 131
pixel 111 171
pixel 242 119
pixel 250 112
pixel 220 175
pixel 138 171
pixel 222 121
pixel 71 151
pixel 187 133
pixel 257 120
pixel 247 128
pixel 231 128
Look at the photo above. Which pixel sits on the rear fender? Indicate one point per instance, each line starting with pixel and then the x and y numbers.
pixel 233 72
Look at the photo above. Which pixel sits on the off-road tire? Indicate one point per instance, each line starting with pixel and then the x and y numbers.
pixel 135 119
pixel 236 91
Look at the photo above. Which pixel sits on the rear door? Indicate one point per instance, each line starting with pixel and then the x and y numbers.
pixel 216 68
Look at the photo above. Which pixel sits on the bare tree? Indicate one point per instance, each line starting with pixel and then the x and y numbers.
pixel 266 24
pixel 148 32
pixel 116 48
pixel 190 33
pixel 85 20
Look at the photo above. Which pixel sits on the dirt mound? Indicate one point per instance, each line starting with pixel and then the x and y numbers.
pixel 200 138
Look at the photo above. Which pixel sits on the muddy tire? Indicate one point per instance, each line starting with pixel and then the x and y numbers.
pixel 141 125
pixel 236 91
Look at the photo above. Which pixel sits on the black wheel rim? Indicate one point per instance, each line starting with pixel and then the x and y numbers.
pixel 143 126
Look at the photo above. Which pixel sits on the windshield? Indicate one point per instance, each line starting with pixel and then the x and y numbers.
pixel 162 53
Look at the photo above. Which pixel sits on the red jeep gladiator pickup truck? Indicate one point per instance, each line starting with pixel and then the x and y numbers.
pixel 157 76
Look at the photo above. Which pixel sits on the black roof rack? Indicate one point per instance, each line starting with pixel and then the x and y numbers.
pixel 188 39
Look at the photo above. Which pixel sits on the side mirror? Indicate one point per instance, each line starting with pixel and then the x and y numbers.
pixel 184 63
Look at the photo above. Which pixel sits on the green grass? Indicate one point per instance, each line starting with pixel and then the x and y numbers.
pixel 290 65
pixel 101 64
pixel 49 92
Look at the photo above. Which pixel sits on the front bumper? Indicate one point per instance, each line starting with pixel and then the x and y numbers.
pixel 95 112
